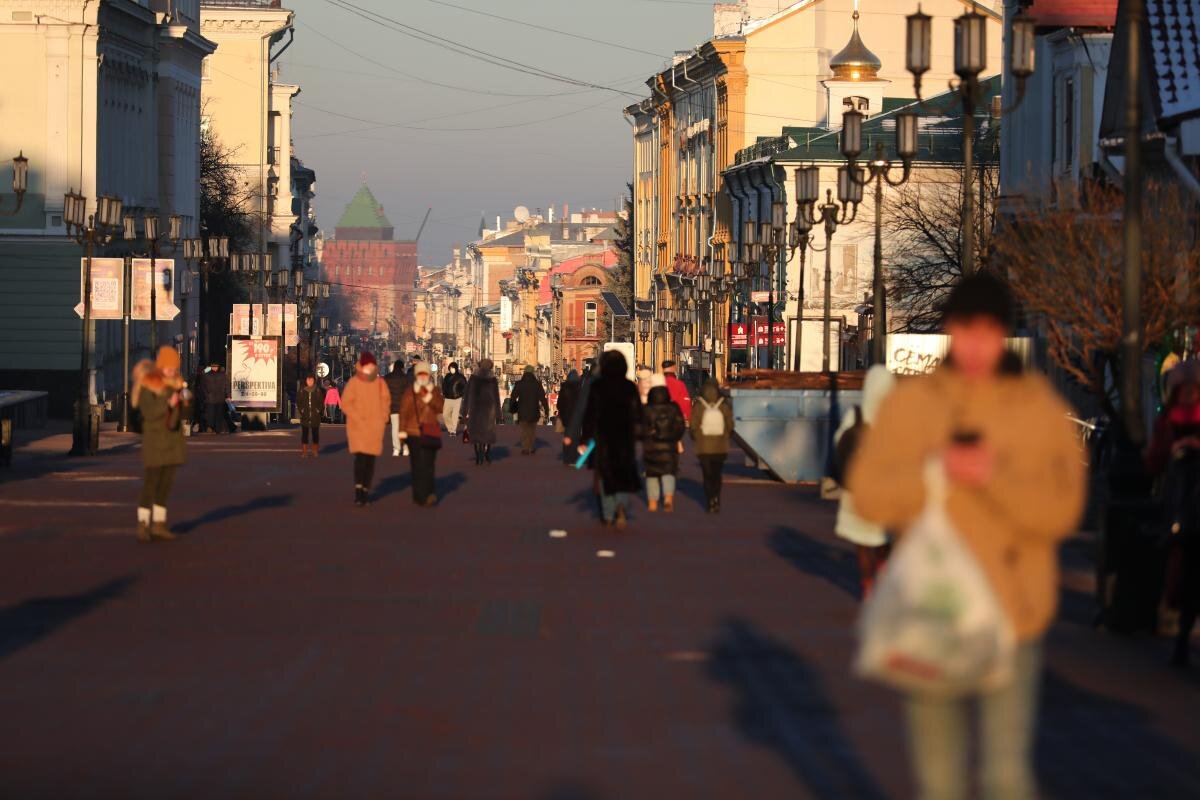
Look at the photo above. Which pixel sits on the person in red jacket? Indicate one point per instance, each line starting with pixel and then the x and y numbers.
pixel 677 390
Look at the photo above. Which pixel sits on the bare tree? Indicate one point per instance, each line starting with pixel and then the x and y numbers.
pixel 923 230
pixel 1065 269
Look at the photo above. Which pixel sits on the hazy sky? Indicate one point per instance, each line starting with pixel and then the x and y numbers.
pixel 499 138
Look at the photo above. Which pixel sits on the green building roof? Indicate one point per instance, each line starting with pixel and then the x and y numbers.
pixel 364 211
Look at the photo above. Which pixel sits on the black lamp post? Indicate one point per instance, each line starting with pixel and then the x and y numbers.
pixel 829 215
pixel 970 59
pixel 154 247
pixel 211 255
pixel 90 231
pixel 879 169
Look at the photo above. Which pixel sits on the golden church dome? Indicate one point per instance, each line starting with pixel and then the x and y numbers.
pixel 855 62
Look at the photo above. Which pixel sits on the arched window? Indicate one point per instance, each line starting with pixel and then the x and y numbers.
pixel 590 280
pixel 589 319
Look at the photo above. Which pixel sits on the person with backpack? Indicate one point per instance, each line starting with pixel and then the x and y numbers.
pixel 870 540
pixel 662 430
pixel 1008 462
pixel 711 427
pixel 454 386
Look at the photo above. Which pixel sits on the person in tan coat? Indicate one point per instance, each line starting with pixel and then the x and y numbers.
pixel 367 406
pixel 1016 480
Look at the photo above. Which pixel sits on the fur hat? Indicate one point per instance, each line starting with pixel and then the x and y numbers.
pixel 367 360
pixel 168 358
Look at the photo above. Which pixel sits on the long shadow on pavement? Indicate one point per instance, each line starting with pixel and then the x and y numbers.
pixel 230 511
pixel 392 484
pixel 820 559
pixel 781 705
pixel 449 484
pixel 1090 745
pixel 35 619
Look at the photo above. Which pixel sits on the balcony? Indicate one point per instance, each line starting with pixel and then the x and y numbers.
pixel 241 3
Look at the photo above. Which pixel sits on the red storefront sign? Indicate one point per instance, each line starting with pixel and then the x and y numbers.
pixel 739 335
pixel 774 335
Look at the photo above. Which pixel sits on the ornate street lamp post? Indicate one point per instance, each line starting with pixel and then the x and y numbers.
pixel 830 215
pixel 90 231
pixel 879 170
pixel 154 247
pixel 211 255
pixel 970 59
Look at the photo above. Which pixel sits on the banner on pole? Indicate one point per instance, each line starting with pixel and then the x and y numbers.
pixel 108 288
pixel 255 372
pixel 739 335
pixel 162 279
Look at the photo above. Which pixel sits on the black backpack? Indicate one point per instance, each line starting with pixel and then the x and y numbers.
pixel 843 451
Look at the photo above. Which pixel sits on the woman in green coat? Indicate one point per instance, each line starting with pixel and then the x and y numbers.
pixel 163 399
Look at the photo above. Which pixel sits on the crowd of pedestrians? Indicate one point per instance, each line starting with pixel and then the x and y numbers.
pixel 980 452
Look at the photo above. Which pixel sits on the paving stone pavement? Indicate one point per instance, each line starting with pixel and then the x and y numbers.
pixel 292 646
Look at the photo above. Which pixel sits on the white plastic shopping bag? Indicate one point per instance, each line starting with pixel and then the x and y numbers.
pixel 934 624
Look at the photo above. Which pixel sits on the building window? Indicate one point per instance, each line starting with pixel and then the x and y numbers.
pixel 589 319
pixel 590 280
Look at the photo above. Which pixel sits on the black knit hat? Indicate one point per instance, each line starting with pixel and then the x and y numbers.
pixel 982 294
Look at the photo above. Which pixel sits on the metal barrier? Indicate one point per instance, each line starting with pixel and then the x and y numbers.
pixel 790 430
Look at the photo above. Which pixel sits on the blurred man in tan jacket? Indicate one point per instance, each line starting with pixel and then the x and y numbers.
pixel 1016 489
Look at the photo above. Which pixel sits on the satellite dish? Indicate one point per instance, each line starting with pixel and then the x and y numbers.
pixel 521 214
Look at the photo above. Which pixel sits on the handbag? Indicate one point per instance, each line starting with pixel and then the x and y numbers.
pixel 431 433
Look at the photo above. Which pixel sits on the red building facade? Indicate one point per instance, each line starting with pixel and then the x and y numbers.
pixel 374 274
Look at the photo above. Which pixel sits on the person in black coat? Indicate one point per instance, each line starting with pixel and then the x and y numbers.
pixel 529 397
pixel 482 410
pixel 309 405
pixel 399 383
pixel 663 427
pixel 215 389
pixel 454 386
pixel 612 418
pixel 568 399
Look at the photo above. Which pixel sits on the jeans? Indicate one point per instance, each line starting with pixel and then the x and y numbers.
pixel 659 486
pixel 331 412
pixel 396 442
pixel 156 486
pixel 364 470
pixel 423 461
pixel 450 412
pixel 710 466
pixel 610 502
pixel 939 737
pixel 310 430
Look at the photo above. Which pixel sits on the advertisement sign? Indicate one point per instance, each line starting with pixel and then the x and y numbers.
pixel 811 352
pixel 760 297
pixel 239 320
pixel 143 279
pixel 255 373
pixel 506 313
pixel 776 336
pixel 739 335
pixel 108 288
pixel 922 353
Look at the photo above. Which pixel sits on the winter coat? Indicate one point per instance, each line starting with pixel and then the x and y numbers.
pixel 613 418
pixel 162 429
pixel 454 385
pixel 710 395
pixel 530 399
pixel 215 387
pixel 399 384
pixel 367 405
pixel 308 406
pixel 415 409
pixel 679 393
pixel 482 407
pixel 568 396
pixel 850 526
pixel 662 429
pixel 1014 523
pixel 332 396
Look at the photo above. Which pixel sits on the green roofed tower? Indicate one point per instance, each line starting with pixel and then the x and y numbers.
pixel 364 220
